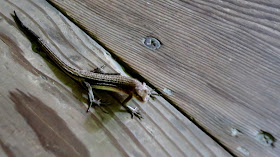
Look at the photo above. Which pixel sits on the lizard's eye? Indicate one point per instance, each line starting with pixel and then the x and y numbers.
pixel 139 97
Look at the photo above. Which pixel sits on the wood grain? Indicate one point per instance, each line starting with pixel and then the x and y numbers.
pixel 43 111
pixel 219 58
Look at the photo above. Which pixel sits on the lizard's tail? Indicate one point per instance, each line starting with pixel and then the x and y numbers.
pixel 28 32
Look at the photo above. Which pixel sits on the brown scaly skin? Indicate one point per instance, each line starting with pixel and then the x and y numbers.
pixel 98 80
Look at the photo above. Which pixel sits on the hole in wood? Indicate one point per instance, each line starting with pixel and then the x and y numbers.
pixel 151 43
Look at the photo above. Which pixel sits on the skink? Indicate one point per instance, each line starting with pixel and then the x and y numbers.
pixel 95 79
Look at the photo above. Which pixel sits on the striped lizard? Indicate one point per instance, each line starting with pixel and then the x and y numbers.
pixel 95 79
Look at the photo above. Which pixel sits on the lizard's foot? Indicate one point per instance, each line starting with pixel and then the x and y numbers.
pixel 96 102
pixel 134 112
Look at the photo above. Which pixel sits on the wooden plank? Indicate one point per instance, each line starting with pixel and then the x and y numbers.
pixel 43 111
pixel 219 58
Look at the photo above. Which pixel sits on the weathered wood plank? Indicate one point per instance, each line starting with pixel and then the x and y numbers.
pixel 220 59
pixel 42 110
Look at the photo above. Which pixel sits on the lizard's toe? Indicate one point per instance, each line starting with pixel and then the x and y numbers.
pixel 135 112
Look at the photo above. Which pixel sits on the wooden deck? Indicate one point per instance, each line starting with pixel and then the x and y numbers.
pixel 219 61
pixel 43 111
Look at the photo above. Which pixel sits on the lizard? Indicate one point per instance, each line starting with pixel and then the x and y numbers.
pixel 96 79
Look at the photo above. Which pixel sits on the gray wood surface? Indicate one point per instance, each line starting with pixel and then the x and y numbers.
pixel 219 58
pixel 43 111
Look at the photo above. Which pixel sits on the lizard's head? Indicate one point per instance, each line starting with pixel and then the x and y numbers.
pixel 142 93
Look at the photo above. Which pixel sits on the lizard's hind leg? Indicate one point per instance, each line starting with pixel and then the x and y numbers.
pixel 91 96
pixel 101 71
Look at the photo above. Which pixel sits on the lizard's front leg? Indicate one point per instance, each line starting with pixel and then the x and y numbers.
pixel 133 111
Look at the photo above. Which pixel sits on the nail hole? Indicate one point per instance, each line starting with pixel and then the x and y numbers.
pixel 151 43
